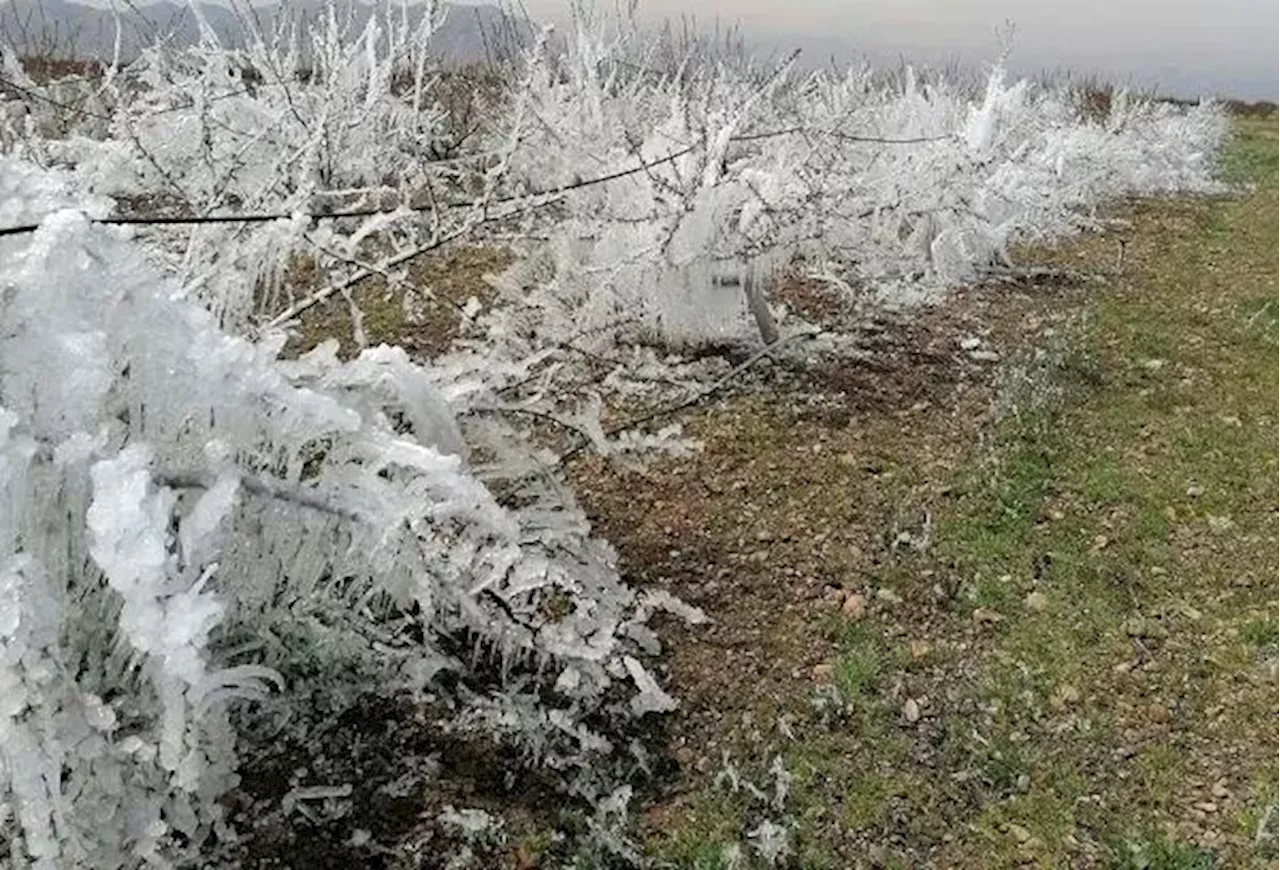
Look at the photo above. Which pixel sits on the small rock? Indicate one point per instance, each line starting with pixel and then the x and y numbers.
pixel 970 342
pixel 1195 490
pixel 854 606
pixel 919 649
pixel 1207 806
pixel 1019 833
pixel 888 596
pixel 986 616
pixel 984 356
pixel 1151 629
pixel 1057 515
pixel 1063 697
pixel 1218 524
pixel 1220 789
pixel 911 711
pixel 685 756
pixel 822 673
pixel 1036 601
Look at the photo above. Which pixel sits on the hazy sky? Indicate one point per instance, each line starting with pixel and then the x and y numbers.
pixel 1224 47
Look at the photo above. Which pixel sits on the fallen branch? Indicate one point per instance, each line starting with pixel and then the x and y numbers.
pixel 668 410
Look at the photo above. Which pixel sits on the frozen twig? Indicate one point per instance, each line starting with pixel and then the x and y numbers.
pixel 699 396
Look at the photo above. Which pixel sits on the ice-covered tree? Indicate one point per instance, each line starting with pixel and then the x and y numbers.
pixel 186 518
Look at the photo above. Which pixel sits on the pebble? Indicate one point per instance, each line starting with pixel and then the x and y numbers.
pixel 1136 626
pixel 1063 697
pixel 888 596
pixel 1219 524
pixel 911 711
pixel 986 616
pixel 1036 601
pixel 1019 833
pixel 854 606
pixel 822 673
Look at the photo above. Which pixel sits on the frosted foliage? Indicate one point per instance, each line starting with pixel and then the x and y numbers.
pixel 169 491
pixel 184 132
pixel 906 188
pixel 727 170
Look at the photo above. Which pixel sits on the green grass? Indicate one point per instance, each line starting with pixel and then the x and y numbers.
pixel 1160 853
pixel 1167 488
pixel 857 671
pixel 1262 632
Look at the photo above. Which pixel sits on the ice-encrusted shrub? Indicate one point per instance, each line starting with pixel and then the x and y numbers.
pixel 903 186
pixel 184 518
pixel 340 113
pixel 906 188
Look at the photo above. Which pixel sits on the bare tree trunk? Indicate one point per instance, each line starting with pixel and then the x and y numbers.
pixel 753 285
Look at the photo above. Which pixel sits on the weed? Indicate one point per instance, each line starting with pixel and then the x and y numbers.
pixel 1160 853
pixel 1262 632
pixel 858 669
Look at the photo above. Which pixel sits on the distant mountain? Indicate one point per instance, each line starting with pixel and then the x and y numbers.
pixel 64 29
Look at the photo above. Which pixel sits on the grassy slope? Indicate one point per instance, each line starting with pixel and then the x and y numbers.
pixel 1154 620
pixel 1101 690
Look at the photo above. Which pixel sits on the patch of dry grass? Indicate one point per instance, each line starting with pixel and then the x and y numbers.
pixel 442 284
